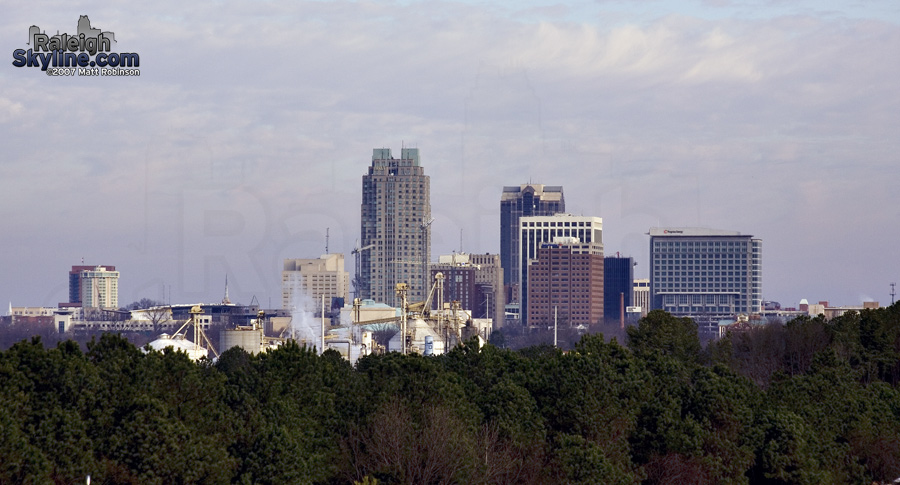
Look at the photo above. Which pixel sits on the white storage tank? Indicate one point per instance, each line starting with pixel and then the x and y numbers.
pixel 250 340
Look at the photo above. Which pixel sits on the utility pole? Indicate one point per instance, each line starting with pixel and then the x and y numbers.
pixel 893 293
pixel 322 350
pixel 402 290
pixel 360 284
pixel 555 325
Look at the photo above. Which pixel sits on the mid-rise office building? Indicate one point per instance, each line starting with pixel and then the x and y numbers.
pixel 516 202
pixel 618 282
pixel 705 274
pixel 311 279
pixel 396 223
pixel 565 284
pixel 538 230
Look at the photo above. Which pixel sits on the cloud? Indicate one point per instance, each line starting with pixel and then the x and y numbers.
pixel 9 110
pixel 752 123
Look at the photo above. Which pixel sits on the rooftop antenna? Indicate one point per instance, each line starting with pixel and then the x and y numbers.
pixel 326 240
pixel 460 241
pixel 226 301
pixel 893 293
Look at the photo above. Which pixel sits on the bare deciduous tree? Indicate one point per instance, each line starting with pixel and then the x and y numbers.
pixel 382 333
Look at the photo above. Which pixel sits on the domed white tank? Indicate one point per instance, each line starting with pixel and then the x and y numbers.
pixel 179 343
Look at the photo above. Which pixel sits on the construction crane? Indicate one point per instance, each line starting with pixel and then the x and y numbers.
pixel 425 250
pixel 357 281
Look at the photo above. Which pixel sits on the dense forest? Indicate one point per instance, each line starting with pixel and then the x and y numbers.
pixel 811 401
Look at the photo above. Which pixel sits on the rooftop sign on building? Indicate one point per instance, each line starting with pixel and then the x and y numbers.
pixel 690 231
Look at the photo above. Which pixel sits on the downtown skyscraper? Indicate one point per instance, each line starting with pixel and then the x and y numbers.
pixel 517 202
pixel 395 227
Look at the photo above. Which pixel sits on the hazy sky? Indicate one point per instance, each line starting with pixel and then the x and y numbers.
pixel 252 123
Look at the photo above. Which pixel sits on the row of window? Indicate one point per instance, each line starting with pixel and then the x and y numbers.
pixel 555 224
pixel 701 276
pixel 700 244
pixel 693 270
pixel 662 275
pixel 729 287
pixel 698 309
pixel 698 258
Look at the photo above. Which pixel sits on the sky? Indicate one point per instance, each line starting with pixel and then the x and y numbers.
pixel 245 138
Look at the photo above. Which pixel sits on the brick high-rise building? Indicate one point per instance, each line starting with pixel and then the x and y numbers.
pixel 396 222
pixel 538 230
pixel 566 282
pixel 459 283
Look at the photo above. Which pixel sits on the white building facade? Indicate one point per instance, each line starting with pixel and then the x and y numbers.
pixel 311 279
pixel 99 288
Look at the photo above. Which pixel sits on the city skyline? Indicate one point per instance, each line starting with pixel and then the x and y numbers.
pixel 232 152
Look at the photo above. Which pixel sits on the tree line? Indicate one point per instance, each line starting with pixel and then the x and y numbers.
pixel 811 401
